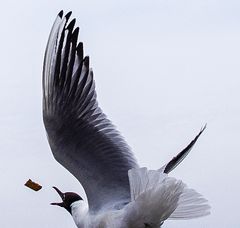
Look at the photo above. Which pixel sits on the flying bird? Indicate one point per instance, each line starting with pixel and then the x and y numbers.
pixel 120 194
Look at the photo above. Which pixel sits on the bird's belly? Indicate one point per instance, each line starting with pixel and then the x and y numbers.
pixel 111 220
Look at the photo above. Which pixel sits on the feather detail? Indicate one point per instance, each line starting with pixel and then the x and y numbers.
pixel 157 197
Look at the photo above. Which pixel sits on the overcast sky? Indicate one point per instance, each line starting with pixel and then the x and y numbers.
pixel 163 68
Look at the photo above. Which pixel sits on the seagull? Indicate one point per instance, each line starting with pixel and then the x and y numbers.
pixel 120 193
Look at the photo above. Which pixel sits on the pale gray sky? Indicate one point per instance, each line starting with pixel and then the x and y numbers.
pixel 163 68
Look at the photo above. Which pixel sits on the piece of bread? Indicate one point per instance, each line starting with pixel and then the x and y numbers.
pixel 33 185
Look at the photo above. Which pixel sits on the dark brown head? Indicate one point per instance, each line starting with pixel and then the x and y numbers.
pixel 67 199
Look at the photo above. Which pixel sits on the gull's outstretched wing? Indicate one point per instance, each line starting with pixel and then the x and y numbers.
pixel 82 139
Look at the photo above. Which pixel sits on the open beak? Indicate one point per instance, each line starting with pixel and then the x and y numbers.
pixel 62 197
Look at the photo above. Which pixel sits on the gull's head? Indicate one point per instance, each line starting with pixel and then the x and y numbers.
pixel 68 198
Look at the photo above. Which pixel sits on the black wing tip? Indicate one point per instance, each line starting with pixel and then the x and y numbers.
pixel 80 50
pixel 60 14
pixel 203 128
pixel 75 34
pixel 86 61
pixel 76 31
pixel 201 131
pixel 80 44
pixel 68 15
pixel 180 156
pixel 71 24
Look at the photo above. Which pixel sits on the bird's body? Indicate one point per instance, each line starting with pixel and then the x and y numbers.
pixel 106 218
pixel 155 197
pixel 120 193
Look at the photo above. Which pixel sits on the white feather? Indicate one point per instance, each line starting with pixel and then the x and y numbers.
pixel 157 197
pixel 191 205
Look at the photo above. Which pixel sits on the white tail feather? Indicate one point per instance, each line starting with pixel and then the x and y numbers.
pixel 191 205
pixel 156 197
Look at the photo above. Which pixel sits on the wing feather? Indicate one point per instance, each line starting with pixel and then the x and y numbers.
pixel 175 161
pixel 81 137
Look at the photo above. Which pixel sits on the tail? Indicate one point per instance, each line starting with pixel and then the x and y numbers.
pixel 156 197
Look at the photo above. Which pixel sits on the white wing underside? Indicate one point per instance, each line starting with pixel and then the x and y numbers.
pixel 156 197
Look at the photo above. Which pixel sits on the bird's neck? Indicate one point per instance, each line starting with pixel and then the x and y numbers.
pixel 79 211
